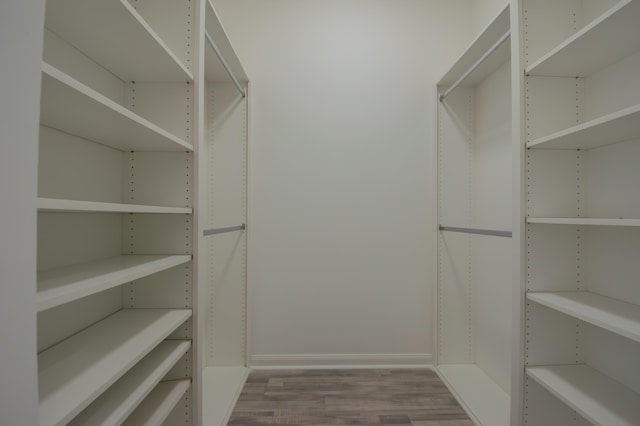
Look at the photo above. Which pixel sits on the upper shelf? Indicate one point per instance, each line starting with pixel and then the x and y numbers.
pixel 616 127
pixel 73 373
pixel 584 221
pixel 608 39
pixel 487 38
pixel 70 106
pixel 76 206
pixel 214 71
pixel 63 285
pixel 616 316
pixel 112 33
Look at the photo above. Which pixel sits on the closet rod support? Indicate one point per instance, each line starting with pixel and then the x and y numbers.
pixel 473 67
pixel 224 64
pixel 492 232
pixel 223 230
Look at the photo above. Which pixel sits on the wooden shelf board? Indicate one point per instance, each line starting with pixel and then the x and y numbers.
pixel 62 285
pixel 583 221
pixel 221 388
pixel 121 399
pixel 597 397
pixel 71 206
pixel 104 30
pixel 73 373
pixel 159 404
pixel 616 127
pixel 481 397
pixel 70 106
pixel 611 37
pixel 487 38
pixel 616 316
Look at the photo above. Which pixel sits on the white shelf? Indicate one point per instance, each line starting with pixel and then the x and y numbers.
pixel 75 206
pixel 73 373
pixel 121 399
pixel 608 39
pixel 62 285
pixel 616 127
pixel 221 388
pixel 214 71
pixel 480 396
pixel 70 106
pixel 487 38
pixel 616 316
pixel 583 221
pixel 598 398
pixel 114 35
pixel 159 404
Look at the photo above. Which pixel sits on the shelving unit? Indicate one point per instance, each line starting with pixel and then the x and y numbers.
pixel 119 401
pixel 473 350
pixel 74 372
pixel 223 206
pixel 157 407
pixel 595 396
pixel 116 222
pixel 581 317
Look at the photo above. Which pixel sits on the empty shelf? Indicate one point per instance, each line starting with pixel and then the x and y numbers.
pixel 58 205
pixel 73 373
pixel 616 127
pixel 70 106
pixel 616 316
pixel 597 397
pixel 105 30
pixel 159 404
pixel 608 39
pixel 583 221
pixel 119 401
pixel 479 394
pixel 490 35
pixel 62 285
pixel 221 388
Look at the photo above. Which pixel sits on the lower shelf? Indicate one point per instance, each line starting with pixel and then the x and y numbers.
pixel 597 397
pixel 122 398
pixel 222 387
pixel 486 402
pixel 159 404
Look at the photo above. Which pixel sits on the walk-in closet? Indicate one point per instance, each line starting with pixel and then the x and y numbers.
pixel 370 212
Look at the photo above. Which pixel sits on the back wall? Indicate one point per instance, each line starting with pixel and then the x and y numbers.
pixel 342 233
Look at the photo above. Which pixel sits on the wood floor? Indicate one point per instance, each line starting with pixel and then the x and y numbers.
pixel 347 397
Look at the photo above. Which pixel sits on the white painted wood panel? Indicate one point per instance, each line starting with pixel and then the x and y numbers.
pixel 159 404
pixel 222 387
pixel 68 206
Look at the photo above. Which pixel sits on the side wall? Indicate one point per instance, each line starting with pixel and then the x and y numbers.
pixel 342 173
pixel 21 28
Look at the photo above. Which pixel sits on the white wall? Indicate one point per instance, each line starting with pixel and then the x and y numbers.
pixel 486 10
pixel 21 28
pixel 342 226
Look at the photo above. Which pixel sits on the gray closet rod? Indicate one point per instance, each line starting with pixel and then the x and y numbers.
pixel 223 230
pixel 224 64
pixel 473 67
pixel 476 231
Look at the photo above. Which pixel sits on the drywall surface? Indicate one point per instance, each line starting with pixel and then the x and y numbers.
pixel 342 228
pixel 21 31
pixel 486 10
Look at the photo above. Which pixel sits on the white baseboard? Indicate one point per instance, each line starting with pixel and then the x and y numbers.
pixel 342 361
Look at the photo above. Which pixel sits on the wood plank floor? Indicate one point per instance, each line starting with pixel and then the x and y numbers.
pixel 347 397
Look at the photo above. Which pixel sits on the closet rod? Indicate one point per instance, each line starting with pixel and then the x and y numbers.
pixel 224 64
pixel 476 64
pixel 223 230
pixel 476 231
